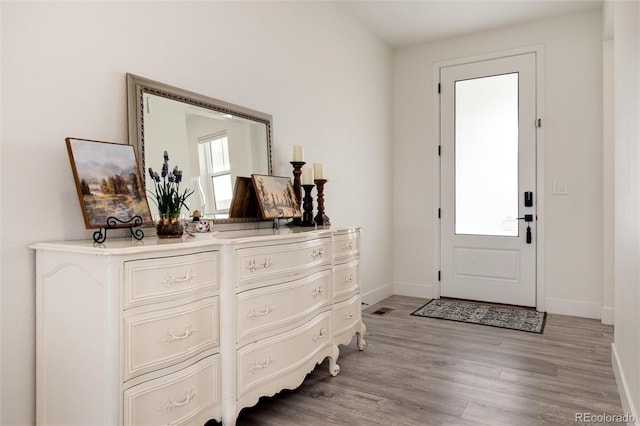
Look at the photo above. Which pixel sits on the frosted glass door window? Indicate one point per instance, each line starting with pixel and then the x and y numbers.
pixel 486 156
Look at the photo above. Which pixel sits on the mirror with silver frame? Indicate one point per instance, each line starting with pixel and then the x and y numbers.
pixel 211 141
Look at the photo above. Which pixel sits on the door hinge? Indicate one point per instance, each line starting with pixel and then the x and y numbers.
pixel 439 150
pixel 439 87
pixel 438 275
pixel 439 213
pixel 539 122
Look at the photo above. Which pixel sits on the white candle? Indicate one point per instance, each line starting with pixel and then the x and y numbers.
pixel 307 176
pixel 298 153
pixel 318 171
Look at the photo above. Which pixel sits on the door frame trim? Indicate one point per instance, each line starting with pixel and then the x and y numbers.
pixel 538 50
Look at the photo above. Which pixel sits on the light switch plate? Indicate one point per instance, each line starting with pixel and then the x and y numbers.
pixel 560 188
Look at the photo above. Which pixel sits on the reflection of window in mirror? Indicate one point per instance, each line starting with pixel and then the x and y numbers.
pixel 215 168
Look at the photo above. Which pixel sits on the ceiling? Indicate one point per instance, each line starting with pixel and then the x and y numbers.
pixel 404 23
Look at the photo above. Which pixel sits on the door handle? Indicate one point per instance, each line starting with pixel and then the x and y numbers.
pixel 526 218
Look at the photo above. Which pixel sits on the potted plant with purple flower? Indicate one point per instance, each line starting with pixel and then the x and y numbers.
pixel 169 198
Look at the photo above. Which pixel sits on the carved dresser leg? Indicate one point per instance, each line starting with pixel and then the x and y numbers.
pixel 334 368
pixel 362 343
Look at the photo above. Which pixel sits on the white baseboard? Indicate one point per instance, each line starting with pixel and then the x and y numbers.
pixel 377 295
pixel 623 389
pixel 425 291
pixel 575 308
pixel 607 315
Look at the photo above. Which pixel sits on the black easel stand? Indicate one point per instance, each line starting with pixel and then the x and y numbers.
pixel 292 219
pixel 112 223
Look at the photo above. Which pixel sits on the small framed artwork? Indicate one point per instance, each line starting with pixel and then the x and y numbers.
pixel 244 203
pixel 276 197
pixel 108 182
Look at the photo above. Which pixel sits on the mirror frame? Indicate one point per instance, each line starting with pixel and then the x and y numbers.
pixel 136 88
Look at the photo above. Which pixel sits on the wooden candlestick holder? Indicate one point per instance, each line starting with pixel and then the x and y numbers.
pixel 321 218
pixel 297 189
pixel 307 206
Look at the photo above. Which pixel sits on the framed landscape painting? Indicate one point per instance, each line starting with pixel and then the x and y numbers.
pixel 108 182
pixel 276 197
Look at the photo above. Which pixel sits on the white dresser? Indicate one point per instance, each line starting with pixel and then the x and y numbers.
pixel 180 332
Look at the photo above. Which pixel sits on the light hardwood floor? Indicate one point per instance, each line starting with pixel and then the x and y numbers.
pixel 422 371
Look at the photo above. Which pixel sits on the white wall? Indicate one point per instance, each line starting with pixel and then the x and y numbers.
pixel 572 126
pixel 608 174
pixel 626 347
pixel 323 77
pixel 1 239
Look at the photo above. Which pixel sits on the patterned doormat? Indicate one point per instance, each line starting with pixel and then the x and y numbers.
pixel 522 319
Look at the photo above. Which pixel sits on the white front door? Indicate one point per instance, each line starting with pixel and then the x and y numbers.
pixel 488 166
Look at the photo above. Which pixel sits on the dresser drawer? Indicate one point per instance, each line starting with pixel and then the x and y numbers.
pixel 273 307
pixel 152 280
pixel 188 397
pixel 345 279
pixel 157 339
pixel 346 246
pixel 262 363
pixel 346 314
pixel 281 260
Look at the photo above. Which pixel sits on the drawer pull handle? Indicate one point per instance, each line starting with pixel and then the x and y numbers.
pixel 171 279
pixel 170 404
pixel 255 366
pixel 347 317
pixel 318 291
pixel 170 337
pixel 255 313
pixel 348 280
pixel 317 253
pixel 320 335
pixel 254 266
pixel 346 246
